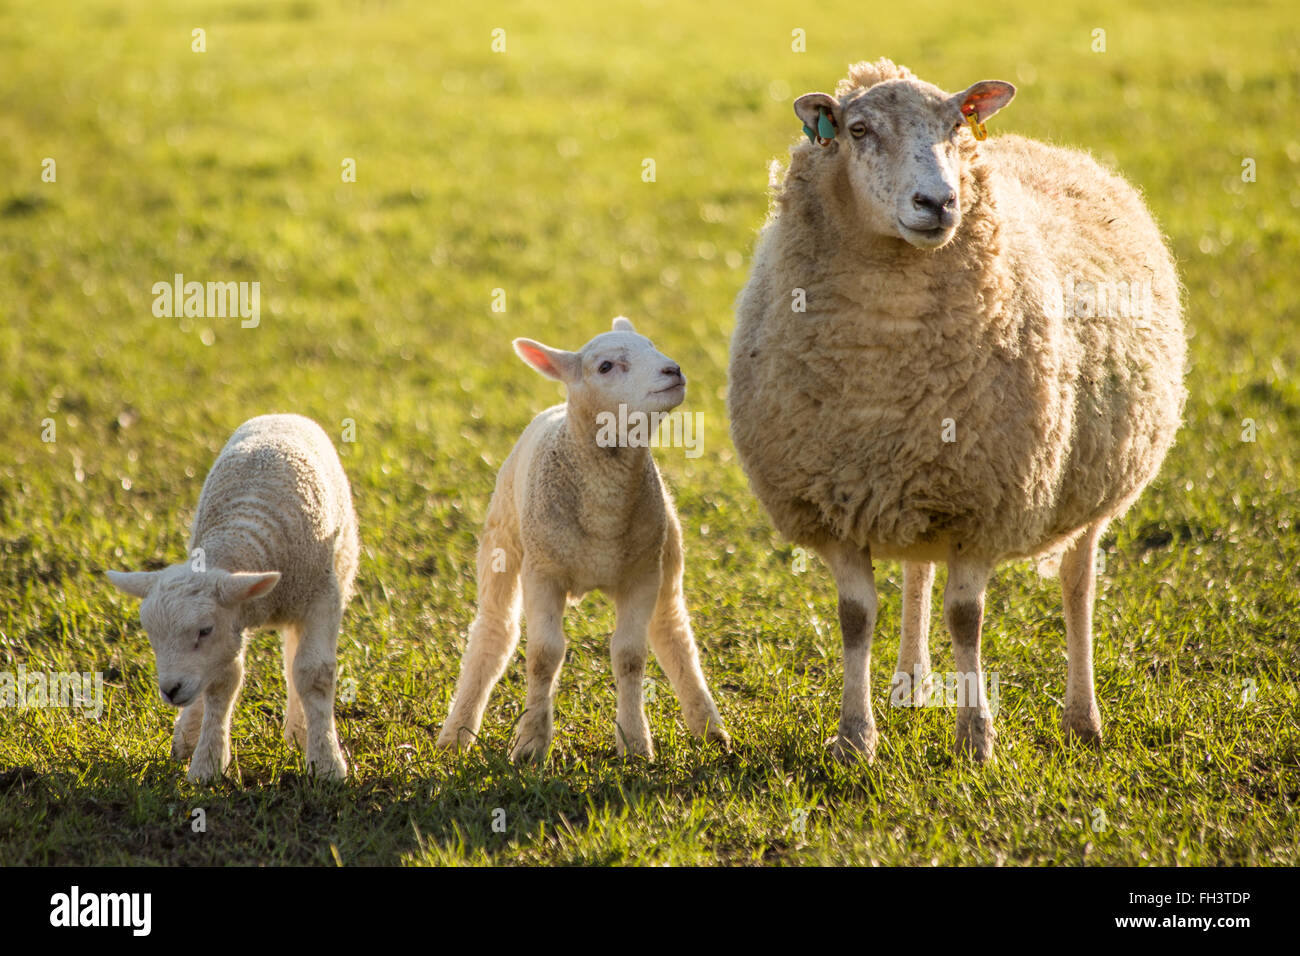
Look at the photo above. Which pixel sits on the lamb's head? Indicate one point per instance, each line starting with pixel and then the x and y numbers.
pixel 902 143
pixel 617 368
pixel 192 619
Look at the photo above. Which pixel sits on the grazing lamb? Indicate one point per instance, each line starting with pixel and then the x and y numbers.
pixel 574 511
pixel 274 544
pixel 923 368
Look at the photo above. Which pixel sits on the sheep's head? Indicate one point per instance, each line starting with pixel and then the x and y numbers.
pixel 615 368
pixel 903 142
pixel 192 619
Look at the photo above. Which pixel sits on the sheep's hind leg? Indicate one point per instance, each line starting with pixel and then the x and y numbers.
pixel 912 680
pixel 1081 720
pixel 963 608
pixel 185 734
pixel 544 614
pixel 493 637
pixel 856 738
pixel 627 648
pixel 295 719
pixel 315 670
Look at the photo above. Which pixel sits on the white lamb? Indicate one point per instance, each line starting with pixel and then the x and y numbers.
pixel 923 368
pixel 574 512
pixel 274 544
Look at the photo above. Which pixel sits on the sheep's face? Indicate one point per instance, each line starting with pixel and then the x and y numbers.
pixel 192 619
pixel 901 142
pixel 617 368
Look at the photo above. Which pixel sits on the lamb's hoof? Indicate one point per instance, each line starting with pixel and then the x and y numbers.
pixel 204 771
pixel 452 742
pixel 296 736
pixel 717 734
pixel 635 747
pixel 1082 727
pixel 182 749
pixel 906 690
pixel 530 748
pixel 975 736
pixel 855 742
pixel 335 768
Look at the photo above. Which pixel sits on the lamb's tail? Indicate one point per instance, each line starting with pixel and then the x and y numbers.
pixel 493 636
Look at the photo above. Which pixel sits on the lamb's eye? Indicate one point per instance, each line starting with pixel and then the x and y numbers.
pixel 605 366
pixel 858 130
pixel 205 631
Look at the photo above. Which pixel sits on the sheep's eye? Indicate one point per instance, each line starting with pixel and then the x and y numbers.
pixel 205 631
pixel 605 366
pixel 858 130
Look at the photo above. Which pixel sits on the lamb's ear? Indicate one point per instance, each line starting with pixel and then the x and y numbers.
pixel 809 109
pixel 242 586
pixel 623 324
pixel 986 97
pixel 135 583
pixel 558 364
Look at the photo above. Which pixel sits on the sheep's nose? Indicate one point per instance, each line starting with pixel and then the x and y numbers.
pixel 169 694
pixel 672 371
pixel 934 205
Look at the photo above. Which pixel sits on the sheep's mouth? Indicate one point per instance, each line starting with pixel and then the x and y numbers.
pixel 931 238
pixel 680 386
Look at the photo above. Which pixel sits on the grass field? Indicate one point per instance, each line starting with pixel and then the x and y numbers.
pixel 522 171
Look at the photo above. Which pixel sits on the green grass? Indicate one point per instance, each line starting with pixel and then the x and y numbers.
pixel 522 171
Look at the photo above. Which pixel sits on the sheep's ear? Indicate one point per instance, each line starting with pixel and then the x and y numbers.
pixel 240 587
pixel 986 97
pixel 553 363
pixel 809 109
pixel 135 583
pixel 623 324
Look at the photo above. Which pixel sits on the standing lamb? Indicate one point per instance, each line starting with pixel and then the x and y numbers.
pixel 577 508
pixel 909 380
pixel 274 544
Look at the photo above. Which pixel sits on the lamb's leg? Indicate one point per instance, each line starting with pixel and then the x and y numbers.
pixel 627 651
pixel 492 637
pixel 315 669
pixel 212 751
pixel 963 608
pixel 295 720
pixel 912 682
pixel 674 647
pixel 1081 720
pixel 857 609
pixel 544 613
pixel 185 734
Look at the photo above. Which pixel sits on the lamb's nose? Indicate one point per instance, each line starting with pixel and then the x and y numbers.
pixel 169 694
pixel 935 205
pixel 672 371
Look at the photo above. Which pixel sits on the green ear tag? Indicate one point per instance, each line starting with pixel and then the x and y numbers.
pixel 825 128
pixel 807 131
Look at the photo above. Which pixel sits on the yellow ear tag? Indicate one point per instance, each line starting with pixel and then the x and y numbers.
pixel 973 120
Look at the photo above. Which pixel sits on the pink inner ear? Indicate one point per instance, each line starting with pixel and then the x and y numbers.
pixel 538 359
pixel 257 588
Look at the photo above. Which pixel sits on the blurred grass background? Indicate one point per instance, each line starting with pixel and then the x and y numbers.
pixel 522 170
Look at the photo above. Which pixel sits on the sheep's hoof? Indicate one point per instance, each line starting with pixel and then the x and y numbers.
pixel 855 741
pixel 452 742
pixel 1082 726
pixel 717 734
pixel 182 749
pixel 906 690
pixel 335 768
pixel 204 771
pixel 975 736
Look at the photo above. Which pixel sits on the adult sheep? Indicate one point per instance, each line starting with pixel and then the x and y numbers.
pixel 924 368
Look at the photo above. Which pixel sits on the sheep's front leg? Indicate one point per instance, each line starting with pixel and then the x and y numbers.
pixel 185 733
pixel 1081 720
pixel 857 609
pixel 212 752
pixel 295 719
pixel 315 669
pixel 628 648
pixel 912 681
pixel 544 620
pixel 963 608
